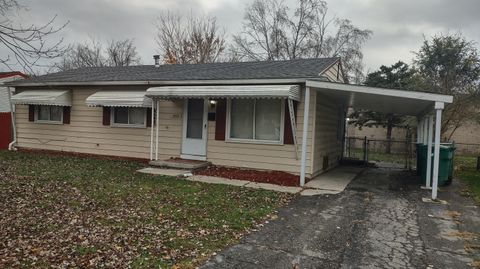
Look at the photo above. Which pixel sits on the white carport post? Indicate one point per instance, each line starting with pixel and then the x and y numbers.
pixel 419 130
pixel 425 130
pixel 436 153
pixel 152 125
pixel 306 108
pixel 429 151
pixel 156 130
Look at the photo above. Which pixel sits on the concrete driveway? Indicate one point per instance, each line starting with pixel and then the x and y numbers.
pixel 379 221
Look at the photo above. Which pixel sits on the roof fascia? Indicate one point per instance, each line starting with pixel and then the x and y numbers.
pixel 381 91
pixel 161 82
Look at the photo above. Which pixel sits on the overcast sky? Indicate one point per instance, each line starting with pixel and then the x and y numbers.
pixel 398 26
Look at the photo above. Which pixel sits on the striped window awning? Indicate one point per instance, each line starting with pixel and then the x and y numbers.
pixel 43 97
pixel 119 99
pixel 226 91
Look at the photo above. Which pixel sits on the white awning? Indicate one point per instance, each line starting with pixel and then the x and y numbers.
pixel 119 99
pixel 244 91
pixel 43 97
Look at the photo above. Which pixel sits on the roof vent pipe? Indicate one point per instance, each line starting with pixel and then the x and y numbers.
pixel 157 60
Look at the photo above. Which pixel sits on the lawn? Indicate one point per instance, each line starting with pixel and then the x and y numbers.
pixel 466 171
pixel 87 212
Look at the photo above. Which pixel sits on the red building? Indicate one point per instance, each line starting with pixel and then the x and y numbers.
pixel 5 109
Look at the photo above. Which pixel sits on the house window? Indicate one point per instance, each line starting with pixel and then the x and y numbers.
pixel 256 120
pixel 49 114
pixel 129 117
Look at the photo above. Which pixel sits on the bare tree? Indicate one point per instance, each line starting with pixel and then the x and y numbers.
pixel 189 39
pixel 92 53
pixel 122 53
pixel 82 55
pixel 27 45
pixel 272 32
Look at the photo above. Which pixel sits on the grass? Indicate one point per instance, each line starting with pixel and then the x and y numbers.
pixel 79 212
pixel 466 171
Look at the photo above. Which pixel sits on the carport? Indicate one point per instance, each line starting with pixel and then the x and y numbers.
pixel 426 107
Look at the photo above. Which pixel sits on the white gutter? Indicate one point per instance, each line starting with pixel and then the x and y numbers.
pixel 14 127
pixel 426 96
pixel 168 82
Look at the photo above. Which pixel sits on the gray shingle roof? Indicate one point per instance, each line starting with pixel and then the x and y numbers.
pixel 289 69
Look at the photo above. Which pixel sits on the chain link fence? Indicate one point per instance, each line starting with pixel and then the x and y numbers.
pixel 381 152
pixel 395 153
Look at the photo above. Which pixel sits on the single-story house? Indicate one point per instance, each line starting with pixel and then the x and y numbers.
pixel 278 115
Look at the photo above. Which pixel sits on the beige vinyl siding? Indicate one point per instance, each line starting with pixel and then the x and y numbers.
pixel 334 73
pixel 86 134
pixel 263 156
pixel 326 140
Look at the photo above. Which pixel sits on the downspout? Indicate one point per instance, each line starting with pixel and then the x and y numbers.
pixel 306 110
pixel 14 127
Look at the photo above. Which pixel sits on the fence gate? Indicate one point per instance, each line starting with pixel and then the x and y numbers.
pixel 381 152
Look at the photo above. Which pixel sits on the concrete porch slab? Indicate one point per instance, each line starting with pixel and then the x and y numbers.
pixel 163 172
pixel 335 180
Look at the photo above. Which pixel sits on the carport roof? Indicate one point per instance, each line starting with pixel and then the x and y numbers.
pixel 403 102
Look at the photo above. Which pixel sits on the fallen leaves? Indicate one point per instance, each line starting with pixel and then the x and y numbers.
pixel 72 212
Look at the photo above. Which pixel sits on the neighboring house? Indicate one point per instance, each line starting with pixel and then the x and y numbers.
pixel 5 107
pixel 245 114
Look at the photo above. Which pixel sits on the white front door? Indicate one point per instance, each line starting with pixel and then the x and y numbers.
pixel 194 142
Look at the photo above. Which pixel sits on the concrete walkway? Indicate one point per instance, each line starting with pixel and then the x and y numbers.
pixel 219 180
pixel 244 183
pixel 331 182
pixel 379 221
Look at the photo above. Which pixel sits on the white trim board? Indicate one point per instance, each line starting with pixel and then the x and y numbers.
pixel 380 91
pixel 279 81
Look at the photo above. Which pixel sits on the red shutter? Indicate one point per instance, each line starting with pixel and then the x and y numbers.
pixel 220 119
pixel 31 113
pixel 149 117
pixel 106 116
pixel 66 115
pixel 287 130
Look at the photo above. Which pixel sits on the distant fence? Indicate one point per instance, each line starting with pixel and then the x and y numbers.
pixel 397 153
pixel 467 149
pixel 400 153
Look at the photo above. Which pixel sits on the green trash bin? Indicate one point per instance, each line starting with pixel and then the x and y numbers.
pixel 422 162
pixel 445 169
pixel 444 164
pixel 447 154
